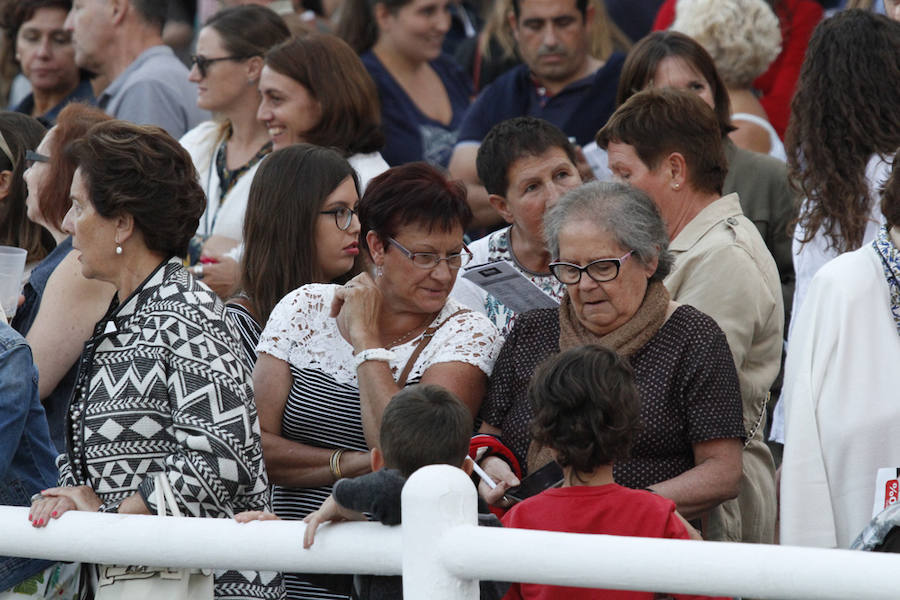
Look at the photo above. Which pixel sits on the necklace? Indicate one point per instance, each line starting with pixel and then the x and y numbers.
pixel 409 334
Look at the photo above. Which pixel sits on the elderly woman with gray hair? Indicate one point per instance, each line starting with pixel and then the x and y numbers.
pixel 610 249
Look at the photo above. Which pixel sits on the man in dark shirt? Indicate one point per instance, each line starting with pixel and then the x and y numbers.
pixel 559 81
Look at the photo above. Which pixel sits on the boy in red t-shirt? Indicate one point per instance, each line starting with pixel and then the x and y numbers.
pixel 586 411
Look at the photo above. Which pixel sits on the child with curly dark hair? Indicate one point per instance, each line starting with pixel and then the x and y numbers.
pixel 587 411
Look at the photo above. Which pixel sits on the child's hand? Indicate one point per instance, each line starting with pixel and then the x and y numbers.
pixel 255 515
pixel 329 511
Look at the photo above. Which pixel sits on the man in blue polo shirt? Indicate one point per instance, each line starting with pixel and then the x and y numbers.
pixel 143 81
pixel 559 81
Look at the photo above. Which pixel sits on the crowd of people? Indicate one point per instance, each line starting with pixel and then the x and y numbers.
pixel 341 241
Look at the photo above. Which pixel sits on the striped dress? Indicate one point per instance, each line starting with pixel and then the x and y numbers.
pixel 322 408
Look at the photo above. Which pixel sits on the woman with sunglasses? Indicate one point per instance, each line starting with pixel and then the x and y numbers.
pixel 331 356
pixel 610 249
pixel 228 150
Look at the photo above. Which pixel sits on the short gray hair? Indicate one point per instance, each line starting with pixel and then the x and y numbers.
pixel 624 211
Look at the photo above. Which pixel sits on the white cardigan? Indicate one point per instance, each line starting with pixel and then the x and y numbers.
pixel 841 402
pixel 226 219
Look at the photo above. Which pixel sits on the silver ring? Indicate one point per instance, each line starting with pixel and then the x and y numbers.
pixel 198 271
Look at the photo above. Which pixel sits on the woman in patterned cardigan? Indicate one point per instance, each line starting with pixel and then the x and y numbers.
pixel 161 386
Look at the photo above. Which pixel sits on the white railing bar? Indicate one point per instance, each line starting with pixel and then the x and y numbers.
pixel 673 566
pixel 441 551
pixel 365 548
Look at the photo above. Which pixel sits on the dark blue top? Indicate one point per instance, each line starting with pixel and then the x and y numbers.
pixel 27 458
pixel 84 92
pixel 580 109
pixel 633 17
pixel 57 402
pixel 409 134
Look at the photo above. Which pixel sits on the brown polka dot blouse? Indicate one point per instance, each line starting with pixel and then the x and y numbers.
pixel 685 375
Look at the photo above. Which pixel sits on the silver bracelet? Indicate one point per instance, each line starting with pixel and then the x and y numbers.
pixel 36 497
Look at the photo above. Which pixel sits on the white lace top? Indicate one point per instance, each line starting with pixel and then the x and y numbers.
pixel 301 332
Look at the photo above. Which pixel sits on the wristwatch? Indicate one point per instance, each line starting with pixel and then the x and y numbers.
pixel 374 354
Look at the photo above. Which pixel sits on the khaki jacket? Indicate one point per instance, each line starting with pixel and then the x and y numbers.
pixel 723 268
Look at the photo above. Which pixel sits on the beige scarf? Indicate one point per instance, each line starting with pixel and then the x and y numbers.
pixel 626 340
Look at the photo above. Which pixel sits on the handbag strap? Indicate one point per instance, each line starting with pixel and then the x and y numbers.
pixel 164 496
pixel 426 339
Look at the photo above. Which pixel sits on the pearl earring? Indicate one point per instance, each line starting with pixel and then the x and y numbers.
pixel 677 186
pixel 378 271
pixel 118 249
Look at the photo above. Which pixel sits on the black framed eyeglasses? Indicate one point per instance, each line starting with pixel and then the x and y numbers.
pixel 600 270
pixel 429 260
pixel 203 62
pixel 32 157
pixel 343 216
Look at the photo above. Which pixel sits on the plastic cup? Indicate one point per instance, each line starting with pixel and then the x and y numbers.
pixel 12 270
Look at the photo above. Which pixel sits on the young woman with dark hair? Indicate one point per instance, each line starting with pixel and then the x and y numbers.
pixel 332 356
pixel 316 91
pixel 844 131
pixel 308 195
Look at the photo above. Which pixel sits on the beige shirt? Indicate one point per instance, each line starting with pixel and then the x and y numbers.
pixel 723 268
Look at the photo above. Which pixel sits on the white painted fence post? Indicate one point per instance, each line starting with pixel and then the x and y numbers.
pixel 436 498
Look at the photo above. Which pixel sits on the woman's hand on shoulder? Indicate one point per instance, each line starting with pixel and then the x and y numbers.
pixel 356 306
pixel 53 502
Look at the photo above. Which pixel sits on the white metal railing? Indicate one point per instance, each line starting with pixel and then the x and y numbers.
pixel 442 553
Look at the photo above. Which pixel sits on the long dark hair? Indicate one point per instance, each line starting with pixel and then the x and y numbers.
pixel 288 190
pixel 845 109
pixel 21 133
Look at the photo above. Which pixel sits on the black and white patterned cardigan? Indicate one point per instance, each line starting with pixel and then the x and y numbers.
pixel 162 388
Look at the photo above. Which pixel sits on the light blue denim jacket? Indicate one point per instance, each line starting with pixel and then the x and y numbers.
pixel 27 455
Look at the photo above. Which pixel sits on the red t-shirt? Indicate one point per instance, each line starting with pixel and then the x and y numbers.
pixel 609 509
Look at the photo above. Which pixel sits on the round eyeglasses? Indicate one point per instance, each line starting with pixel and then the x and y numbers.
pixel 600 270
pixel 343 216
pixel 429 260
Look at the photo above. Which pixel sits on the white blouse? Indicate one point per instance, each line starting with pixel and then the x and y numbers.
pixel 301 333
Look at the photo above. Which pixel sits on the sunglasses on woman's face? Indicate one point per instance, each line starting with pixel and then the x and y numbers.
pixel 32 157
pixel 203 62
